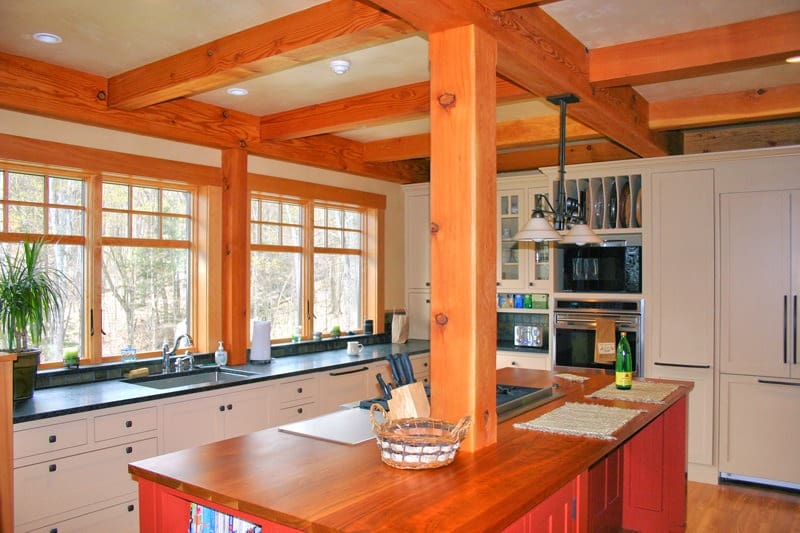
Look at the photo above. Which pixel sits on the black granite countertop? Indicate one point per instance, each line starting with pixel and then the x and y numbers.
pixel 57 401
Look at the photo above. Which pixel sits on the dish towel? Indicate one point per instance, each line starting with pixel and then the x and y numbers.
pixel 582 419
pixel 604 347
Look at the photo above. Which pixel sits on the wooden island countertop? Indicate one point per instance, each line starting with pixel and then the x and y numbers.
pixel 315 485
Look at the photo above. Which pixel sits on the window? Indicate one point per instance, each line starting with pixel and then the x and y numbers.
pixel 38 204
pixel 146 242
pixel 305 265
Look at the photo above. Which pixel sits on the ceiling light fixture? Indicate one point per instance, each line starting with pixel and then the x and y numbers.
pixel 793 59
pixel 340 66
pixel 48 38
pixel 567 212
pixel 237 91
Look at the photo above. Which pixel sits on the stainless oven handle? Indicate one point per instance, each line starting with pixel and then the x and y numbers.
pixel 582 323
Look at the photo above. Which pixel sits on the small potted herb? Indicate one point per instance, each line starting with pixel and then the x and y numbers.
pixel 335 332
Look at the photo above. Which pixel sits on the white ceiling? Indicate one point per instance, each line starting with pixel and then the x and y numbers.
pixel 108 37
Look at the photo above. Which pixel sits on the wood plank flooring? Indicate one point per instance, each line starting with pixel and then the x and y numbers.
pixel 734 507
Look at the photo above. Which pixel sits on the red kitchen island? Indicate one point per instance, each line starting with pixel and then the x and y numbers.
pixel 528 481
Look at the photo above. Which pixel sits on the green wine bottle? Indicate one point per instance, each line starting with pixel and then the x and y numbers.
pixel 624 368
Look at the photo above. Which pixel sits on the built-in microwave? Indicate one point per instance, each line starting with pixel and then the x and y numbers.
pixel 612 267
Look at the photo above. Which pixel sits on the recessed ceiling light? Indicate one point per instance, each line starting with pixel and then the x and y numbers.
pixel 340 66
pixel 793 59
pixel 237 91
pixel 49 38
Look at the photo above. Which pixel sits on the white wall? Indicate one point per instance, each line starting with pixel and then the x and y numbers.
pixel 32 126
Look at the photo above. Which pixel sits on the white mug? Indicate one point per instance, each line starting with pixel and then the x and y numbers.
pixel 354 348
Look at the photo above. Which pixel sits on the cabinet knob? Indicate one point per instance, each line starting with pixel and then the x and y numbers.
pixel 221 408
pixel 131 507
pixel 129 450
pixel 427 283
pixel 530 284
pixel 498 283
pixel 299 390
pixel 513 363
pixel 52 468
pixel 299 410
pixel 427 301
pixel 54 530
pixel 229 406
pixel 128 423
pixel 51 439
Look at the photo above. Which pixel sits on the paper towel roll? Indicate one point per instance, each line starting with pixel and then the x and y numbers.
pixel 260 349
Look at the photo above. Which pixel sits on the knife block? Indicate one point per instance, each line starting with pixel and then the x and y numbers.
pixel 409 401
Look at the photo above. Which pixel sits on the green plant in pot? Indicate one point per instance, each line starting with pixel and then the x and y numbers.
pixel 31 294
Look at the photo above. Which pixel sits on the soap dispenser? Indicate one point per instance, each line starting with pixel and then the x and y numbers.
pixel 221 356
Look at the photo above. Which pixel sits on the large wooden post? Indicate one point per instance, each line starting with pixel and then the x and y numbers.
pixel 235 261
pixel 463 224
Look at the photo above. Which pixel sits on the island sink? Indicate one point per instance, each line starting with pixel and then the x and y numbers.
pixel 195 378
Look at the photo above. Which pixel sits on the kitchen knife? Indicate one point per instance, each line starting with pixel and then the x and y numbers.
pixel 387 393
pixel 393 366
pixel 407 367
pixel 401 373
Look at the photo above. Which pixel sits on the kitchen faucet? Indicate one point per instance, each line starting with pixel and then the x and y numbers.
pixel 167 352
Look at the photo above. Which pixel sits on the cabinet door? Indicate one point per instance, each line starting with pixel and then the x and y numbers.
pixel 539 253
pixel 343 385
pixel 192 423
pixel 418 241
pixel 246 411
pixel 680 288
pixel 759 430
pixel 373 388
pixel 511 254
pixel 419 315
pixel 755 283
pixel 120 518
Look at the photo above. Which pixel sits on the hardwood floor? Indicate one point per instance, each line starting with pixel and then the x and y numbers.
pixel 734 507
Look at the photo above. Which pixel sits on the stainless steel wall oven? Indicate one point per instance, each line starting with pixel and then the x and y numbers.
pixel 575 325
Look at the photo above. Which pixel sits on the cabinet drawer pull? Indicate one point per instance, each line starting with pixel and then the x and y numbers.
pixel 427 283
pixel 131 507
pixel 221 408
pixel 681 365
pixel 299 410
pixel 51 439
pixel 229 406
pixel 52 468
pixel 772 382
pixel 299 390
pixel 129 450
pixel 427 301
pixel 129 423
pixel 356 371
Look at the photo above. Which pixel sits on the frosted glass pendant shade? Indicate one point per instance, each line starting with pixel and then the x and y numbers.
pixel 581 234
pixel 537 229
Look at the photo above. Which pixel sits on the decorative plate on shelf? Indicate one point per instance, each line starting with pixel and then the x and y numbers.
pixel 597 212
pixel 639 208
pixel 625 206
pixel 612 206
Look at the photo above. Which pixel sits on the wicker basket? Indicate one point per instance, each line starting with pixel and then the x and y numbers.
pixel 417 443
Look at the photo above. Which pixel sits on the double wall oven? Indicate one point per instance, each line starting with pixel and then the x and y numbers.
pixel 575 326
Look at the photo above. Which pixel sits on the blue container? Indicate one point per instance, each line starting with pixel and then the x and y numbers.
pixel 518 301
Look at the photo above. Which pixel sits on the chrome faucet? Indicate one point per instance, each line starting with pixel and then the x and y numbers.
pixel 188 356
pixel 167 352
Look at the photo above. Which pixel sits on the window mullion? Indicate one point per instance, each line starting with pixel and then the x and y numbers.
pixel 94 269
pixel 308 268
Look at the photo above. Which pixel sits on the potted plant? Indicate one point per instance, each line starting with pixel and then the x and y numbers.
pixel 31 293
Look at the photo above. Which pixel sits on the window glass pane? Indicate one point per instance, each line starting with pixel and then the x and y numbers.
pixel 335 218
pixel 352 220
pixel 270 211
pixel 145 227
pixel 319 238
pixel 352 240
pixel 291 213
pixel 115 196
pixel 25 219
pixel 291 236
pixel 337 291
pixel 334 239
pixel 176 202
pixel 145 199
pixel 254 230
pixel 25 187
pixel 270 234
pixel 65 221
pixel 319 216
pixel 64 332
pixel 145 297
pixel 254 205
pixel 2 185
pixel 175 228
pixel 275 290
pixel 115 225
pixel 65 191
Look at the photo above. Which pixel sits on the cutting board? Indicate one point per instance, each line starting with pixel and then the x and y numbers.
pixel 350 426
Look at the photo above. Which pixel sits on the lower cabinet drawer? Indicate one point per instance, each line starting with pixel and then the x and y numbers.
pixel 127 423
pixel 120 518
pixel 53 487
pixel 299 389
pixel 295 413
pixel 43 439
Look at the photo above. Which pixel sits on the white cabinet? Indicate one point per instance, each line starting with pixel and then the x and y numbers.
pixel 760 282
pixel 759 428
pixel 532 361
pixel 203 418
pixel 418 260
pixel 344 385
pixel 119 518
pixel 294 399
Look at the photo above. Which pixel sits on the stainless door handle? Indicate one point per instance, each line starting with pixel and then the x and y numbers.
pixel 681 365
pixel 346 372
pixel 772 382
pixel 794 330
pixel 785 326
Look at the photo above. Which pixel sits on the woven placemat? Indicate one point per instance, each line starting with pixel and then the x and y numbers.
pixel 571 377
pixel 640 391
pixel 582 419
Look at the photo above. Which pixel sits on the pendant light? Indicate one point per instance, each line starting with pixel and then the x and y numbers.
pixel 567 212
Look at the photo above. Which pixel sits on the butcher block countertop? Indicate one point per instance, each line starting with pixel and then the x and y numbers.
pixel 312 484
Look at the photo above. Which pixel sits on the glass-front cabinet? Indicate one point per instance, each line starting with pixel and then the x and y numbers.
pixel 510 270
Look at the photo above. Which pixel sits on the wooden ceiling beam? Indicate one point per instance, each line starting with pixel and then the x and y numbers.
pixel 746 44
pixel 539 55
pixel 318 32
pixel 548 156
pixel 740 106
pixel 514 133
pixel 407 102
pixel 40 88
